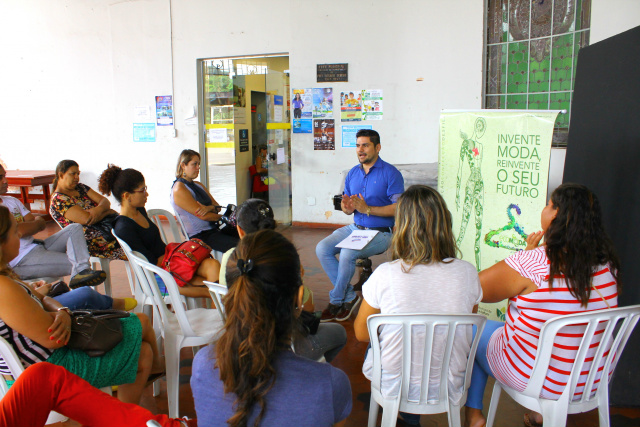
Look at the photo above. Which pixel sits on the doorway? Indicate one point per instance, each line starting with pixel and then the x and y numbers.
pixel 243 104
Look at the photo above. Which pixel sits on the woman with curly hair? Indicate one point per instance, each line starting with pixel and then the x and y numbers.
pixel 573 271
pixel 140 233
pixel 250 376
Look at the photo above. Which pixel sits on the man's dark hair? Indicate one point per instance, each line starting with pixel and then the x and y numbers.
pixel 371 134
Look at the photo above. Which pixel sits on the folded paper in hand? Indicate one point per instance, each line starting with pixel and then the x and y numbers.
pixel 358 239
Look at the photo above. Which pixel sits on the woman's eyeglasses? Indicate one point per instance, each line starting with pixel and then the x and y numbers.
pixel 143 190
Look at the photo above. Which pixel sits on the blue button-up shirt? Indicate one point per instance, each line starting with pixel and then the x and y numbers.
pixel 380 187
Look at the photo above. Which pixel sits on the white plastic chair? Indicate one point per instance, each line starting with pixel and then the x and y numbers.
pixel 216 254
pixel 180 328
pixel 391 405
pixel 217 292
pixel 15 366
pixel 619 323
pixel 177 231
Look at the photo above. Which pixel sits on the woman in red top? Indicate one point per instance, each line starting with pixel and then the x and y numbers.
pixel 557 278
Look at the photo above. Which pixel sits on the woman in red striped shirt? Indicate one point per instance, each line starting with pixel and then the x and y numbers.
pixel 541 283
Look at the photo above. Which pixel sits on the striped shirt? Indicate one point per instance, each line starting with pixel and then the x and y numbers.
pixel 512 349
pixel 28 351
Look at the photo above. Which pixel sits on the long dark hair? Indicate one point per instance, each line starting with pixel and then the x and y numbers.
pixel 118 181
pixel 254 215
pixel 423 233
pixel 576 242
pixel 264 273
pixel 61 168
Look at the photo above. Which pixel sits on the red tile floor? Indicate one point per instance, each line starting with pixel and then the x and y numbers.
pixel 349 360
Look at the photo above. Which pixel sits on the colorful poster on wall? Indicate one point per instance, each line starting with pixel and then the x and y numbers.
pixel 302 104
pixel 164 110
pixel 351 106
pixel 323 103
pixel 301 125
pixel 493 173
pixel 372 104
pixel 324 134
pixel 349 134
pixel 144 132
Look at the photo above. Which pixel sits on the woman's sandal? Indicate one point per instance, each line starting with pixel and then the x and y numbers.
pixel 530 422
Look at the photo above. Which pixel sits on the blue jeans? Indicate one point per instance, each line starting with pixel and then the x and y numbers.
pixel 85 298
pixel 341 272
pixel 481 368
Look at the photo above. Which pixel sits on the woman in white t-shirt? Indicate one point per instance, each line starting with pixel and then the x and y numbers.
pixel 424 277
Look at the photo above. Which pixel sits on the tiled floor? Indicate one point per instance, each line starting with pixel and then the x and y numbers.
pixel 349 360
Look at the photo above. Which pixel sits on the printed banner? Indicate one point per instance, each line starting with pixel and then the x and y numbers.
pixel 372 104
pixel 351 106
pixel 322 103
pixel 324 134
pixel 493 173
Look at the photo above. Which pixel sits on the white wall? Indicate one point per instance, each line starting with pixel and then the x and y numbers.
pixel 73 70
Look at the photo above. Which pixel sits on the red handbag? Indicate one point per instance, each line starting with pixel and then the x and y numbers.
pixel 183 259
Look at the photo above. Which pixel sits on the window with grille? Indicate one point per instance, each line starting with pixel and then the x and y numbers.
pixel 531 52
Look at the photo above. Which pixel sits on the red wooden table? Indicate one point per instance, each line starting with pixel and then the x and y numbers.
pixel 28 178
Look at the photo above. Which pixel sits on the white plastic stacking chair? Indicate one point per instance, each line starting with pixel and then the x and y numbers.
pixel 180 328
pixel 217 292
pixel 216 254
pixel 177 233
pixel 391 405
pixel 15 366
pixel 618 325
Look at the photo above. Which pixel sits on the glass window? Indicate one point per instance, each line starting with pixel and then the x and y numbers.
pixel 532 51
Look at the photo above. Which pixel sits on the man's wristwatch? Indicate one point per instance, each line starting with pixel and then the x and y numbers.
pixel 368 210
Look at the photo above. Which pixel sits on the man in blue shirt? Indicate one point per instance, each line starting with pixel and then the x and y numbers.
pixel 371 191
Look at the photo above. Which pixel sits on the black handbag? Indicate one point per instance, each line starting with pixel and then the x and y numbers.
pixel 104 227
pixel 96 331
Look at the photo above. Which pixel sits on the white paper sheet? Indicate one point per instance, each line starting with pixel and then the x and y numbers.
pixel 358 239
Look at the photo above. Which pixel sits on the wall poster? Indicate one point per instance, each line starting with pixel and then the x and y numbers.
pixel 164 110
pixel 324 135
pixel 493 172
pixel 323 103
pixel 351 106
pixel 372 104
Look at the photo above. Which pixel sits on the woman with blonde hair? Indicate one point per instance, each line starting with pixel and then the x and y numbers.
pixel 250 376
pixel 196 207
pixel 424 277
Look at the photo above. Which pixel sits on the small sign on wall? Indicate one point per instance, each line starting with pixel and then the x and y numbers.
pixel 332 73
pixel 244 140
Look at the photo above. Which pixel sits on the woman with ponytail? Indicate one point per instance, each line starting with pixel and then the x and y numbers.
pixel 250 376
pixel 312 339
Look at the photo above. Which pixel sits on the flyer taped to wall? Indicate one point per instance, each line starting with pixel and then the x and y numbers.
pixel 493 173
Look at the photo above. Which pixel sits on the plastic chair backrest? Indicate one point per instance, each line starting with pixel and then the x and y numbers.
pixel 428 323
pixel 183 229
pixel 166 315
pixel 218 292
pixel 176 231
pixel 257 186
pixel 616 325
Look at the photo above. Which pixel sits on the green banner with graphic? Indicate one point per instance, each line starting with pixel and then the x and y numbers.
pixel 493 173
